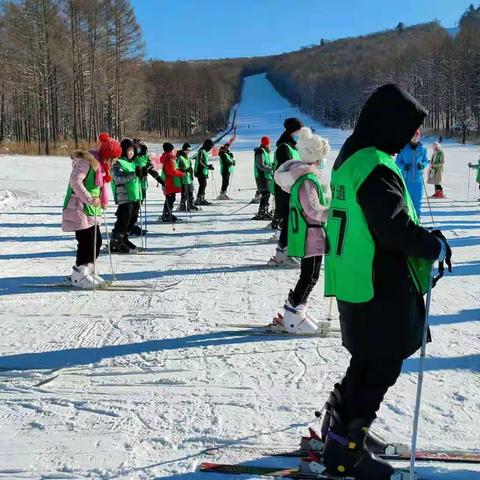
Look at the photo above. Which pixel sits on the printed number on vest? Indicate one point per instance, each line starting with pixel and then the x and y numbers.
pixel 342 216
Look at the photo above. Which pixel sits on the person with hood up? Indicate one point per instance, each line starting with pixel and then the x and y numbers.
pixel 263 171
pixel 435 170
pixel 185 166
pixel 173 182
pixel 378 267
pixel 412 161
pixel 306 222
pixel 286 150
pixel 127 192
pixel 202 169
pixel 83 208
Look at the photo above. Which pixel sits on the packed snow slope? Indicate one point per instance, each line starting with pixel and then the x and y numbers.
pixel 144 384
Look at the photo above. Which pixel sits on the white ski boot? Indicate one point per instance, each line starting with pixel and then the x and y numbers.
pixel 81 278
pixel 223 196
pixel 295 320
pixel 282 260
pixel 99 281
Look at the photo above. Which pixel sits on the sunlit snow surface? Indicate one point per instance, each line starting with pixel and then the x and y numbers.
pixel 131 385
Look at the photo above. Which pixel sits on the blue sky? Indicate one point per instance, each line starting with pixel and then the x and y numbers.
pixel 194 29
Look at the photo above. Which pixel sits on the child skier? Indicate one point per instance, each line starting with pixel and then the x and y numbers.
pixel 286 150
pixel 227 162
pixel 127 191
pixel 476 167
pixel 173 182
pixel 378 267
pixel 202 168
pixel 185 166
pixel 263 170
pixel 306 234
pixel 82 213
pixel 412 160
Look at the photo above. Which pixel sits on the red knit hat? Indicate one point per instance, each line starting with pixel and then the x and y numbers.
pixel 265 141
pixel 109 148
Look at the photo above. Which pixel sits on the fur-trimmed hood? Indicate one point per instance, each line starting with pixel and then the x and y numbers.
pixel 288 173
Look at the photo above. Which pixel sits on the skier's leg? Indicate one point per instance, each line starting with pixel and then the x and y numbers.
pixel 84 247
pixel 309 274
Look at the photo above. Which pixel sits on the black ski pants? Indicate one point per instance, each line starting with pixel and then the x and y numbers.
pixel 225 180
pixel 309 274
pixel 364 386
pixel 202 185
pixel 187 195
pixel 86 251
pixel 168 205
pixel 127 216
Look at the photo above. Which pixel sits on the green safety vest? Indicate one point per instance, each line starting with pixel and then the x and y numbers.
pixel 134 187
pixel 297 225
pixel 92 189
pixel 230 167
pixel 206 157
pixel 349 274
pixel 186 164
pixel 294 155
pixel 177 181
pixel 478 172
pixel 142 161
pixel 267 162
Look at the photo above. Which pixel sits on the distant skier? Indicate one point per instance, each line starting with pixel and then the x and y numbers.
pixel 83 206
pixel 435 170
pixel 476 167
pixel 263 170
pixel 286 150
pixel 227 162
pixel 306 234
pixel 412 160
pixel 378 268
pixel 202 169
pixel 173 182
pixel 127 192
pixel 185 166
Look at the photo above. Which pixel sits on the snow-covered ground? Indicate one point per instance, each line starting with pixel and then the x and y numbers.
pixel 140 384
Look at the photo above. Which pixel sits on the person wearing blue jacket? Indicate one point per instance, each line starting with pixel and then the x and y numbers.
pixel 412 160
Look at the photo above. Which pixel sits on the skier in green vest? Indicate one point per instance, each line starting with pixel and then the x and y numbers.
pixel 185 166
pixel 263 171
pixel 306 227
pixel 227 162
pixel 378 268
pixel 476 166
pixel 286 150
pixel 202 169
pixel 127 192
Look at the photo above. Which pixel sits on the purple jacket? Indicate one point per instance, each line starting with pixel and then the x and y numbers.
pixel 313 212
pixel 74 218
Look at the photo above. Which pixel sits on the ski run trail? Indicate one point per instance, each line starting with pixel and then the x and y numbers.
pixel 144 384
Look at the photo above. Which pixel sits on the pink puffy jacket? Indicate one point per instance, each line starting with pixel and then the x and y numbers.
pixel 74 218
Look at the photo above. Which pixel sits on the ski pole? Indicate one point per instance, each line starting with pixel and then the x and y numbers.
pixel 468 187
pixel 428 201
pixel 231 184
pixel 214 187
pixel 329 317
pixel 246 189
pixel 108 245
pixel 241 208
pixel 95 254
pixel 421 366
pixel 145 218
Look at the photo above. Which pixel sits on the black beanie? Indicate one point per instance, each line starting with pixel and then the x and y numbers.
pixel 208 145
pixel 168 147
pixel 186 146
pixel 292 125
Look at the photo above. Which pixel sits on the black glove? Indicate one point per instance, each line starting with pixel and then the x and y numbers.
pixel 448 256
pixel 210 167
pixel 138 171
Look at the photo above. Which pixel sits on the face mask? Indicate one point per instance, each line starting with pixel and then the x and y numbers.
pixel 139 150
pixel 295 137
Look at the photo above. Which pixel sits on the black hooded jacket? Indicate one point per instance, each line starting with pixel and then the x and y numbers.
pixel 390 326
pixel 282 155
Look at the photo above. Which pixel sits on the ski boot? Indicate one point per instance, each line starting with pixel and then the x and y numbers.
pixel 280 259
pixel 295 320
pixel 183 206
pixel 223 196
pixel 133 248
pixel 81 278
pixel 137 231
pixel 345 452
pixel 117 244
pixel 99 281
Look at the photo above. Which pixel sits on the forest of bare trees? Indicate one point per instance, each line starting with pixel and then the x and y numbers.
pixel 74 68
pixel 331 81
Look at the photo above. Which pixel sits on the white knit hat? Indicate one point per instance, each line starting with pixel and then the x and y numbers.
pixel 312 148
